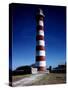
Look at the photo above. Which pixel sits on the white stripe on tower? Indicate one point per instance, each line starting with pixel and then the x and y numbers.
pixel 41 23
pixel 40 53
pixel 40 44
pixel 41 63
pixel 40 32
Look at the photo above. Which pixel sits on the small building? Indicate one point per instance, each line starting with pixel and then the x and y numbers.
pixel 34 70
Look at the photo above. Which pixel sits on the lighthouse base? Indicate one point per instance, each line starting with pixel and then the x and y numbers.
pixel 41 69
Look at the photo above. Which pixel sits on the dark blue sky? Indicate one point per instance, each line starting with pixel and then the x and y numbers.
pixel 24 34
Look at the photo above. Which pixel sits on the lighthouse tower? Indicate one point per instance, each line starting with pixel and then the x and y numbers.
pixel 40 42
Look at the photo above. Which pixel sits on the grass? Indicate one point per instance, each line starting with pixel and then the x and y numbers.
pixel 46 79
pixel 19 77
pixel 52 78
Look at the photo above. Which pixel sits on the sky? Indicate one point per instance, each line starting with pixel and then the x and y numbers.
pixel 24 34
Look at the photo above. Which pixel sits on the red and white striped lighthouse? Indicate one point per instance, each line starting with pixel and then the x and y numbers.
pixel 40 43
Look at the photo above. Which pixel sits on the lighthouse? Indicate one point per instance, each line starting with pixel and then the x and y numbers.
pixel 40 42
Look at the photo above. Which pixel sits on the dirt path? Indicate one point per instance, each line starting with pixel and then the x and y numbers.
pixel 27 81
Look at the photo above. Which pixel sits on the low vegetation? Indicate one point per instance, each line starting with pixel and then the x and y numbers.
pixel 52 78
pixel 19 77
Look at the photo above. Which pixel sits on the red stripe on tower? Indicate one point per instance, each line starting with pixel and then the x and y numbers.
pixel 40 43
